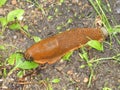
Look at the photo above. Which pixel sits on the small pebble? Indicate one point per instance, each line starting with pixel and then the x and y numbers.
pixel 85 80
pixel 14 2
pixel 15 37
pixel 70 72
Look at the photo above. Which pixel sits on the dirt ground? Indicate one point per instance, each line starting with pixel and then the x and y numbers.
pixel 72 77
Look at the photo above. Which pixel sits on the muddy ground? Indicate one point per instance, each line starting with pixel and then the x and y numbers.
pixel 72 77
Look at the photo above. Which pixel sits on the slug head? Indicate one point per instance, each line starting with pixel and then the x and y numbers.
pixel 27 56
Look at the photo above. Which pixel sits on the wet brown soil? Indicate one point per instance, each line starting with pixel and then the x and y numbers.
pixel 72 77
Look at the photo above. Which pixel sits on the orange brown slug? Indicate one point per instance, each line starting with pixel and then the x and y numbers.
pixel 51 49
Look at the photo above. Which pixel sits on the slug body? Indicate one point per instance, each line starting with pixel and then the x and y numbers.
pixel 51 49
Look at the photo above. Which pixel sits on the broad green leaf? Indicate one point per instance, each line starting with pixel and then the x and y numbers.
pixel 56 80
pixel 36 38
pixel 17 59
pixel 14 57
pixel 18 62
pixel 15 14
pixel 2 47
pixel 67 55
pixel 28 65
pixel 3 21
pixel 2 2
pixel 95 44
pixel 15 26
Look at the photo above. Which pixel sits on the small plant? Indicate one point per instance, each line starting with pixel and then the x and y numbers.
pixel 116 31
pixel 13 21
pixel 59 27
pixel 97 4
pixel 56 80
pixel 70 20
pixel 106 88
pixel 36 38
pixel 16 60
pixel 2 47
pixel 39 6
pixel 100 9
pixel 85 57
pixel 67 56
pixel 61 1
pixel 12 17
pixel 114 57
pixel 2 2
pixel 47 83
pixel 20 73
pixel 95 44
pixel 49 18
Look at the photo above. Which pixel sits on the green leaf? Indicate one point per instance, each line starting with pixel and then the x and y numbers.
pixel 56 80
pixel 116 29
pixel 67 55
pixel 15 14
pixel 84 55
pixel 4 72
pixel 2 2
pixel 14 57
pixel 28 65
pixel 59 27
pixel 106 88
pixel 36 38
pixel 61 1
pixel 3 21
pixel 49 87
pixel 56 10
pixel 25 28
pixel 2 47
pixel 20 74
pixel 69 20
pixel 15 26
pixel 82 66
pixel 50 17
pixel 95 44
pixel 17 59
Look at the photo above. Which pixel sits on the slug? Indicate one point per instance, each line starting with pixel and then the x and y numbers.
pixel 51 49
